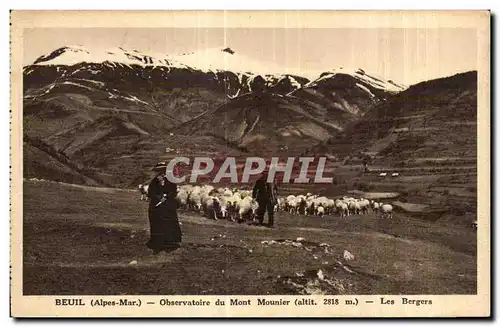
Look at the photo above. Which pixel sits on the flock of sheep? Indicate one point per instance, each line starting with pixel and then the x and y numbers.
pixel 310 204
pixel 238 204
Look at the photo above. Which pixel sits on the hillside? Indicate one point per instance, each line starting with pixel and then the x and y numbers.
pixel 262 124
pixel 429 118
pixel 41 161
pixel 350 91
pixel 428 136
pixel 266 122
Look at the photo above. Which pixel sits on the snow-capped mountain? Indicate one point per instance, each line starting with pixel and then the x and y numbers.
pixel 223 69
pixel 97 104
pixel 351 91
pixel 139 81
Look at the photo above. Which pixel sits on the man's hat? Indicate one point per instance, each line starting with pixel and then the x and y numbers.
pixel 160 166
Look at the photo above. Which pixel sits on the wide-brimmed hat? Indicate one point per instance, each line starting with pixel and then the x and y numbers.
pixel 161 166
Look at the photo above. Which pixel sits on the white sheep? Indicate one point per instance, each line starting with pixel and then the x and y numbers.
pixel 293 206
pixel 320 211
pixel 223 212
pixel 198 196
pixel 207 207
pixel 329 206
pixel 245 208
pixel 300 196
pixel 364 205
pixel 343 210
pixel 235 198
pixel 310 207
pixel 212 207
pixel 195 200
pixel 386 210
pixel 232 204
pixel 216 208
pixel 338 205
pixel 302 205
pixel 245 193
pixel 182 197
pixel 207 189
pixel 311 197
pixel 282 204
pixel 227 209
pixel 187 188
pixel 354 207
pixel 144 192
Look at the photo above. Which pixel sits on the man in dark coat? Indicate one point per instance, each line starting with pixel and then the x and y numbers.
pixel 266 195
pixel 165 231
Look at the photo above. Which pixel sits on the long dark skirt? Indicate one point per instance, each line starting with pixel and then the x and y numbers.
pixel 165 232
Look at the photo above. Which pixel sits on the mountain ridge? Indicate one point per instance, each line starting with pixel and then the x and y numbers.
pixel 123 97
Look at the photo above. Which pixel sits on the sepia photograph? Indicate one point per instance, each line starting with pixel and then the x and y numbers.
pixel 245 160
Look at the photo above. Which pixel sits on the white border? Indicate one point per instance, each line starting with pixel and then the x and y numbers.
pixel 215 4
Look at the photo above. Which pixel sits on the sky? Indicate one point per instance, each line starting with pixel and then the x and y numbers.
pixel 406 56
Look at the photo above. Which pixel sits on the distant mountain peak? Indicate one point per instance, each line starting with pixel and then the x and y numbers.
pixel 228 50
pixel 359 75
pixel 60 51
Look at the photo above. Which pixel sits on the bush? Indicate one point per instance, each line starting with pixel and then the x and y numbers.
pixel 364 187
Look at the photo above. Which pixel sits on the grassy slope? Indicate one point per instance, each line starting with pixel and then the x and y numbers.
pixel 427 134
pixel 80 240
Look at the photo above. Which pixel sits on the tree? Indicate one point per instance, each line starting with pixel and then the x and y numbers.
pixel 366 161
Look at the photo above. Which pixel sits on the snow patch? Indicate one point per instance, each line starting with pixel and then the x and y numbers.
pixel 90 81
pixel 49 89
pixel 364 88
pixel 363 80
pixel 213 59
pixel 129 98
pixel 294 82
pixel 135 99
pixel 76 84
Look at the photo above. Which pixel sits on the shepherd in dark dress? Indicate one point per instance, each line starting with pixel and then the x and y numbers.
pixel 164 224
